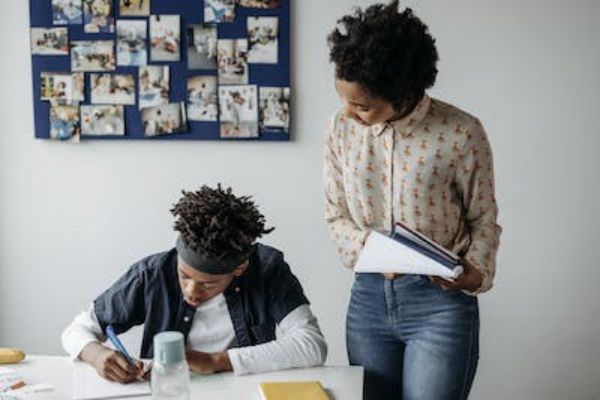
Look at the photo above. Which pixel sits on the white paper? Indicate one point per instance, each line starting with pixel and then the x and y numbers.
pixel 383 254
pixel 88 385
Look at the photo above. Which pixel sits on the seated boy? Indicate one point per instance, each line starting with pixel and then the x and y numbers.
pixel 236 302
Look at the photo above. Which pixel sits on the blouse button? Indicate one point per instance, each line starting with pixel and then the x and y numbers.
pixel 186 318
pixel 237 289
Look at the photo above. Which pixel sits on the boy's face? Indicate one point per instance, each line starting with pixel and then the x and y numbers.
pixel 198 287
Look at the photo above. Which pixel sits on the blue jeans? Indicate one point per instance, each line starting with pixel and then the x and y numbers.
pixel 415 341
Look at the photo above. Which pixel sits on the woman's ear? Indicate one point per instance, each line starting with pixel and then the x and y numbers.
pixel 239 271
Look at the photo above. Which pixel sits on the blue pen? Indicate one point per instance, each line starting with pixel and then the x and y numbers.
pixel 110 332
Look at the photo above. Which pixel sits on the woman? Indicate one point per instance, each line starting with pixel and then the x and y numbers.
pixel 393 154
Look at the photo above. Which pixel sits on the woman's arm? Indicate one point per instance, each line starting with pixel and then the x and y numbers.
pixel 347 235
pixel 475 183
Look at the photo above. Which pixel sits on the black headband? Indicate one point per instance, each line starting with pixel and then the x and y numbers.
pixel 213 266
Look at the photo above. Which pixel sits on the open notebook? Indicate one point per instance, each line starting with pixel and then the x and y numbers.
pixel 407 252
pixel 88 385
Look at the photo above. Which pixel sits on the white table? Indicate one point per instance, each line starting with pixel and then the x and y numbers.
pixel 341 383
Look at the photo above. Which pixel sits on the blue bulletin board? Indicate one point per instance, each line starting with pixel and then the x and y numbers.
pixel 237 88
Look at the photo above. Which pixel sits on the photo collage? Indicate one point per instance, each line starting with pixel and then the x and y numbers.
pixel 127 60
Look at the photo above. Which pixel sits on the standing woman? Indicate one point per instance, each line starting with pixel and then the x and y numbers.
pixel 393 154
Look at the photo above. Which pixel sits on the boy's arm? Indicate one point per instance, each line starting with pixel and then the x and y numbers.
pixel 83 340
pixel 299 343
pixel 83 330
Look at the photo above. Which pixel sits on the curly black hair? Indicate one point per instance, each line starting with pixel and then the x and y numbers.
pixel 389 53
pixel 215 223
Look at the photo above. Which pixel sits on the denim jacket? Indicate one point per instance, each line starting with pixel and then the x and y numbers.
pixel 149 294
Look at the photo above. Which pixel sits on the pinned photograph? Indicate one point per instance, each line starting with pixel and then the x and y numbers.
pixel 78 86
pixel 103 120
pixel 64 123
pixel 202 98
pixel 238 107
pixel 274 108
pixel 131 43
pixel 112 89
pixel 259 3
pixel 165 35
pixel 232 59
pixel 164 119
pixel 90 56
pixel 57 88
pixel 263 43
pixel 67 12
pixel 202 46
pixel 61 88
pixel 217 11
pixel 98 16
pixel 50 42
pixel 134 8
pixel 154 86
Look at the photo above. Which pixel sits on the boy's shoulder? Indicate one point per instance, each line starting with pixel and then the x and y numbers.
pixel 268 261
pixel 155 264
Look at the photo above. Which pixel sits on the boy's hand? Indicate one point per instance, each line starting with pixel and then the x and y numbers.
pixel 471 279
pixel 110 364
pixel 208 363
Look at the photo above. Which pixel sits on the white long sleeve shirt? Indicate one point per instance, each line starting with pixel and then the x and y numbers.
pixel 299 342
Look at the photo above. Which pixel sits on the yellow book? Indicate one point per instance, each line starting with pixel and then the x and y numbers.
pixel 293 391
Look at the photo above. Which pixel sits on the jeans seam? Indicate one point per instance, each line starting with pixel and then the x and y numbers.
pixel 468 366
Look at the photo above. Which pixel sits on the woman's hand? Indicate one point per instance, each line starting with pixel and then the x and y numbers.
pixel 208 363
pixel 471 279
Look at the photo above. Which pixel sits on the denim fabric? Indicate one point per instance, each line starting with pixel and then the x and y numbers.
pixel 416 341
pixel 149 294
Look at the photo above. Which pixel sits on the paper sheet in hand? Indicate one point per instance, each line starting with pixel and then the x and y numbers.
pixel 87 384
pixel 384 254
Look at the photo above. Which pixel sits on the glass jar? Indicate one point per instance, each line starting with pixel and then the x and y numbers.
pixel 170 372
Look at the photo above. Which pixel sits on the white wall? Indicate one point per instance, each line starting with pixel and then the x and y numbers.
pixel 74 216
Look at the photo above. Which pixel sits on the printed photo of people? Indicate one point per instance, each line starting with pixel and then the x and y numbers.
pixel 165 35
pixel 98 16
pixel 232 59
pixel 64 123
pixel 102 120
pixel 274 108
pixel 134 8
pixel 92 55
pixel 78 86
pixel 154 86
pixel 112 89
pixel 50 42
pixel 131 43
pixel 164 119
pixel 67 12
pixel 238 105
pixel 217 11
pixel 259 3
pixel 202 47
pixel 57 88
pixel 202 98
pixel 263 43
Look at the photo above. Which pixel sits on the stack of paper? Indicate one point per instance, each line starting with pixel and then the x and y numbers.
pixel 407 252
pixel 293 391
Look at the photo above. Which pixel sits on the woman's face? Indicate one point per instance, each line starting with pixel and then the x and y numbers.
pixel 362 107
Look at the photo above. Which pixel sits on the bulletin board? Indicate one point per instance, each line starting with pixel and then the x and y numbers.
pixel 107 94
